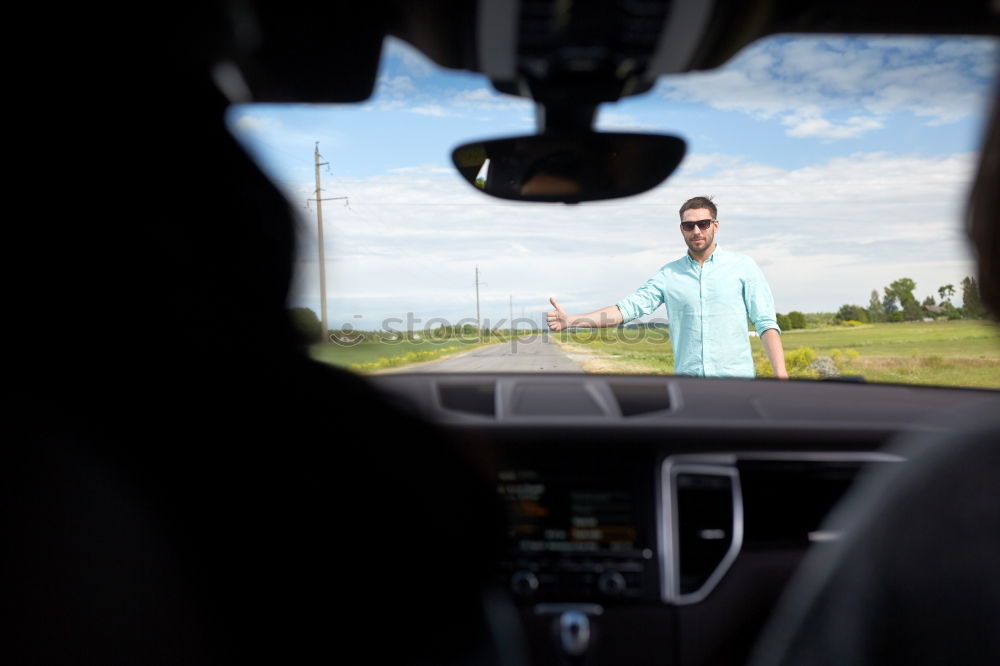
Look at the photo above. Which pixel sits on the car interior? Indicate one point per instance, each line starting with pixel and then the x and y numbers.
pixel 172 502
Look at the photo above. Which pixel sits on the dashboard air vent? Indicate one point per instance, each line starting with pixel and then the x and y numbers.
pixel 787 501
pixel 640 398
pixel 553 400
pixel 705 513
pixel 470 398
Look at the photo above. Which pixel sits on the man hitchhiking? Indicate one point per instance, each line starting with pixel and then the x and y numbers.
pixel 709 294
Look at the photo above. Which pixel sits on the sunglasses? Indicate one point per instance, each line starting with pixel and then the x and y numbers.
pixel 702 224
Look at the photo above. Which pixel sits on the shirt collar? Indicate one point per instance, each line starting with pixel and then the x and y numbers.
pixel 711 257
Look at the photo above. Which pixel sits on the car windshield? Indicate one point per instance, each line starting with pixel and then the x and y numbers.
pixel 839 165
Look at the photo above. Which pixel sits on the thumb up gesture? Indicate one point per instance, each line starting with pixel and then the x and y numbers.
pixel 558 319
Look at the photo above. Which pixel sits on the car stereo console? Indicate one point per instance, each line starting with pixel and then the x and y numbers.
pixel 578 535
pixel 659 529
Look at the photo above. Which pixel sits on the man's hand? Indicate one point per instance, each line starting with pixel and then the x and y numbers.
pixel 558 319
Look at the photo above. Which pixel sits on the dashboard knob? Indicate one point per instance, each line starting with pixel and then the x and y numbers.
pixel 611 584
pixel 523 583
pixel 574 632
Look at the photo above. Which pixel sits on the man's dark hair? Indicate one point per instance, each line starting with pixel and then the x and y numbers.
pixel 700 202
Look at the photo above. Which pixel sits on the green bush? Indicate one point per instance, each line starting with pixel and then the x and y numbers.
pixel 820 319
pixel 783 322
pixel 800 359
pixel 796 319
pixel 912 311
pixel 797 363
pixel 406 359
pixel 306 324
pixel 844 359
pixel 853 313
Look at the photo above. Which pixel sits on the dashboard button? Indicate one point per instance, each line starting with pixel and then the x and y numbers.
pixel 523 583
pixel 611 584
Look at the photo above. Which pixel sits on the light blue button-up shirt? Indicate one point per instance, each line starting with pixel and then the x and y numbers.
pixel 707 311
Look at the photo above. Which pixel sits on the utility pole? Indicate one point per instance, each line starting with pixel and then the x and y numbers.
pixel 479 330
pixel 511 305
pixel 322 252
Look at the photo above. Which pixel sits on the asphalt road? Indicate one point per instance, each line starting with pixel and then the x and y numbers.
pixel 534 354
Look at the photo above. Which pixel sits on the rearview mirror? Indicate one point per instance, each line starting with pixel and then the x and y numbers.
pixel 569 167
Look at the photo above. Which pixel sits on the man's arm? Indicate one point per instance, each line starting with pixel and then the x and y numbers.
pixel 559 320
pixel 646 298
pixel 760 308
pixel 771 340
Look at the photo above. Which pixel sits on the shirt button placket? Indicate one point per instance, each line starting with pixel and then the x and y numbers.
pixel 701 298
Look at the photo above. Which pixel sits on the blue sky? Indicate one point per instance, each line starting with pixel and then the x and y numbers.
pixel 838 164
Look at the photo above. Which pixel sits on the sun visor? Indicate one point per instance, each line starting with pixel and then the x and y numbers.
pixel 311 52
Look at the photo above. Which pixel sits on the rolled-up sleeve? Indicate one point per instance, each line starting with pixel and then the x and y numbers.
pixel 758 299
pixel 646 298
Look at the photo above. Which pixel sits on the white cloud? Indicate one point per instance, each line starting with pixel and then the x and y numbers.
pixel 396 86
pixel 485 99
pixel 428 110
pixel 392 92
pixel 407 59
pixel 617 121
pixel 701 162
pixel 825 235
pixel 251 123
pixel 809 122
pixel 400 93
pixel 807 82
pixel 477 96
pixel 407 84
pixel 423 169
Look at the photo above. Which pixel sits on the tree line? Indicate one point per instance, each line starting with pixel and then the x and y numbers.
pixel 309 331
pixel 897 302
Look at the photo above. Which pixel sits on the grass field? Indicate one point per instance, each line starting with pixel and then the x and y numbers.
pixel 374 356
pixel 953 353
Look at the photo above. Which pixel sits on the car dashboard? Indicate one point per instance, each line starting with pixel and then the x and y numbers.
pixel 657 519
